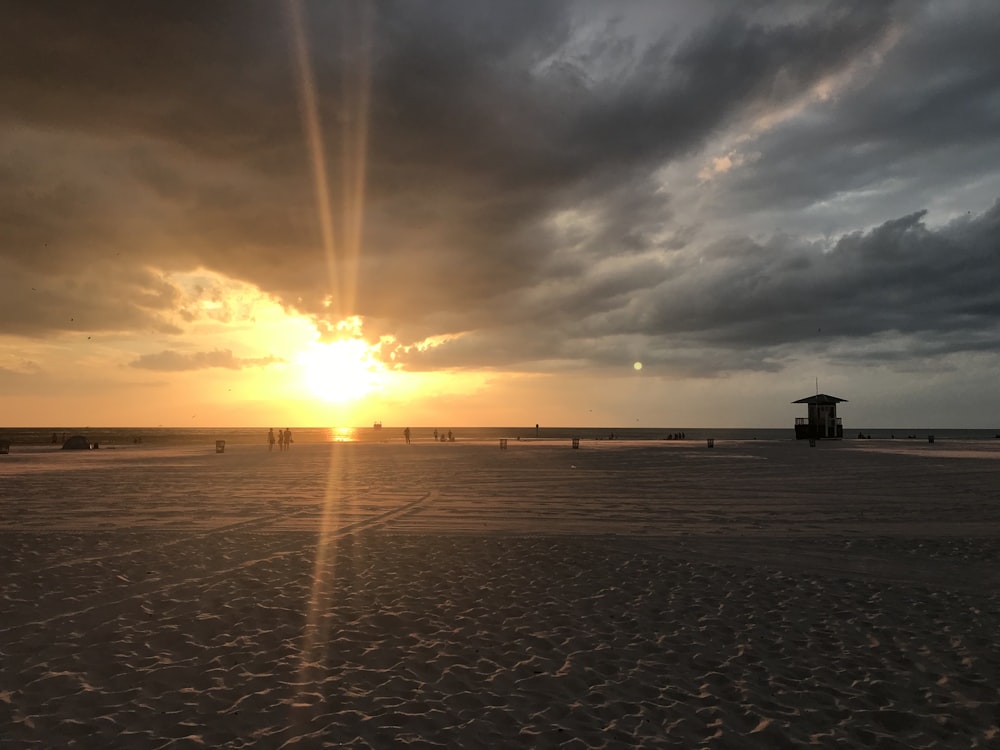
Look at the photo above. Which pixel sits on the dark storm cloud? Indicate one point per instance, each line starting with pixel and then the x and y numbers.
pixel 924 121
pixel 538 136
pixel 900 276
pixel 212 76
pixel 172 361
pixel 750 306
pixel 103 296
pixel 512 185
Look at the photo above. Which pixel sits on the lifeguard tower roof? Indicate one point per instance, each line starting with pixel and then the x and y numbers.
pixel 820 399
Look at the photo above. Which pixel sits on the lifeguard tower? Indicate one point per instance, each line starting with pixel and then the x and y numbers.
pixel 822 422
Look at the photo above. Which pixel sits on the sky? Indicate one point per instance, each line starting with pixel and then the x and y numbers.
pixel 685 213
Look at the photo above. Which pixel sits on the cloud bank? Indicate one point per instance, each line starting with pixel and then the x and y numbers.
pixel 712 188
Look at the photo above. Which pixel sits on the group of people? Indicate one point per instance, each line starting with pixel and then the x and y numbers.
pixel 450 437
pixel 283 439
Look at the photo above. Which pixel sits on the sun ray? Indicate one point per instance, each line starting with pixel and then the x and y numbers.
pixel 356 92
pixel 342 252
pixel 344 369
pixel 310 121
pixel 315 637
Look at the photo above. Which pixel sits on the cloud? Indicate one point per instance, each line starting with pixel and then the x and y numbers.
pixel 531 175
pixel 185 144
pixel 103 296
pixel 173 361
pixel 744 305
pixel 917 130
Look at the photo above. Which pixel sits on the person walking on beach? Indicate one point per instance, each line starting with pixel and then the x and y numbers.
pixel 270 439
pixel 286 436
pixel 406 435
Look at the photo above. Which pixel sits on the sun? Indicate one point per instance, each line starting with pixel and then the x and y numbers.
pixel 340 371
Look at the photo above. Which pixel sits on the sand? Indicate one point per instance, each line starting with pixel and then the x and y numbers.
pixel 754 595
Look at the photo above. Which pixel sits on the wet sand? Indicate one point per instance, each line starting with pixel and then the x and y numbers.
pixel 757 594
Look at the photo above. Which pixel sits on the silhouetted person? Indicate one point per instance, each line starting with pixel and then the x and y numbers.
pixel 286 437
pixel 451 438
pixel 270 439
pixel 435 433
pixel 406 435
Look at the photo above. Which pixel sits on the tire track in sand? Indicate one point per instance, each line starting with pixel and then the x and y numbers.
pixel 178 540
pixel 144 589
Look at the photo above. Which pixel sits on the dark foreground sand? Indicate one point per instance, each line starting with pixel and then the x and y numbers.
pixel 647 595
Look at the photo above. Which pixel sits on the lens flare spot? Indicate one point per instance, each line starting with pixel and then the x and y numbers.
pixel 637 366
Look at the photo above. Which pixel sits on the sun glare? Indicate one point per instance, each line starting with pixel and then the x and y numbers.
pixel 340 371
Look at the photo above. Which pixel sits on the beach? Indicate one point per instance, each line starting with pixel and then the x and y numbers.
pixel 757 594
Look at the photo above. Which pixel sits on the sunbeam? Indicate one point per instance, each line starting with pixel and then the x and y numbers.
pixel 341 241
pixel 355 27
pixel 310 122
pixel 315 635
pixel 342 257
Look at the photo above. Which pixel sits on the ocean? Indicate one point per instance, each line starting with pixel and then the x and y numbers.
pixel 119 437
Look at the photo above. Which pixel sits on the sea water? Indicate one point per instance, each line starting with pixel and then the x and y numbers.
pixel 120 437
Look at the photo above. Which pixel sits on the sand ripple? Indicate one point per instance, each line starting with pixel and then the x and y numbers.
pixel 756 596
pixel 488 642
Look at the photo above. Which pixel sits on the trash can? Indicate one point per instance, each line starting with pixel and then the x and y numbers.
pixel 4 446
pixel 503 444
pixel 812 442
pixel 576 442
pixel 930 438
pixel 711 442
pixel 220 446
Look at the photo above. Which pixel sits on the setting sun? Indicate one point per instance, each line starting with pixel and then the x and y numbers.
pixel 340 371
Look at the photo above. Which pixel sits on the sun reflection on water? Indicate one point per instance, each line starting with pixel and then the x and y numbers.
pixel 343 434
